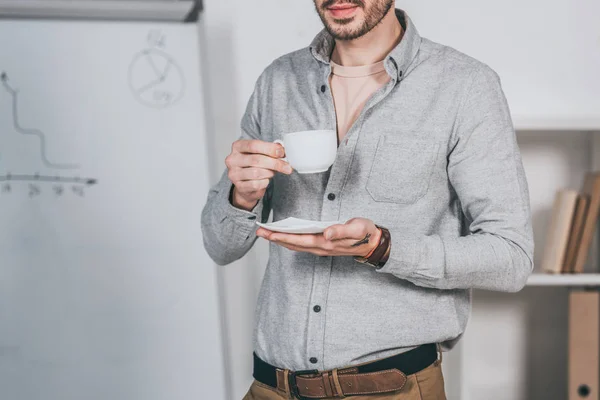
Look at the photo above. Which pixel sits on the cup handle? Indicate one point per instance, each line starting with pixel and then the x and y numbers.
pixel 282 145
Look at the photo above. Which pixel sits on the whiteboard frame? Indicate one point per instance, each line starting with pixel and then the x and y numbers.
pixel 136 10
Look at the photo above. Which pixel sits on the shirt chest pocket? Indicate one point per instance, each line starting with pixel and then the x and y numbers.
pixel 402 169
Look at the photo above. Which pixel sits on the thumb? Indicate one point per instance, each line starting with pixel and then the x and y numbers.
pixel 333 232
pixel 353 229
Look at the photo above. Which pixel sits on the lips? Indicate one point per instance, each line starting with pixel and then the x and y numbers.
pixel 344 10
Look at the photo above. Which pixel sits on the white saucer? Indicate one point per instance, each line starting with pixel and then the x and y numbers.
pixel 296 225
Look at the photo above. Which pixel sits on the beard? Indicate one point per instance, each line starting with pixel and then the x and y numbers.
pixel 340 30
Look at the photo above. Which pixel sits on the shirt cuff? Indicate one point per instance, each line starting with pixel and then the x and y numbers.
pixel 244 221
pixel 406 255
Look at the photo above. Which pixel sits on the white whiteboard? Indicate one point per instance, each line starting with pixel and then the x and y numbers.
pixel 105 289
pixel 547 53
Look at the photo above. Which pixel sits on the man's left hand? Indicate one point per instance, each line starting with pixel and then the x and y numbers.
pixel 357 237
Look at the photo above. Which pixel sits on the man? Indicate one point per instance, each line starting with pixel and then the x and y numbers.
pixel 429 178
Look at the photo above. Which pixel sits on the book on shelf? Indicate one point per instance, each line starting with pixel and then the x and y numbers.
pixel 572 226
pixel 591 188
pixel 583 201
pixel 557 239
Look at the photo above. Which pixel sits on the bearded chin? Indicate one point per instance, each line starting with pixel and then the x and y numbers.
pixel 373 17
pixel 346 33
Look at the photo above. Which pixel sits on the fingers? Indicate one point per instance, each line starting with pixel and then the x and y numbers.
pixel 249 174
pixel 307 243
pixel 354 229
pixel 302 240
pixel 260 161
pixel 250 166
pixel 259 147
pixel 237 160
pixel 336 248
pixel 313 241
pixel 262 232
pixel 313 250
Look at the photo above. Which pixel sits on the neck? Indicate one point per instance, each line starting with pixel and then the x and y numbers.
pixel 371 47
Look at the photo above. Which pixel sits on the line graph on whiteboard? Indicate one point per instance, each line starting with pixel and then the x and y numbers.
pixel 35 181
pixel 155 78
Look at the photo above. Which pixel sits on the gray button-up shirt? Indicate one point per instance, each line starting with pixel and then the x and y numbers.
pixel 433 157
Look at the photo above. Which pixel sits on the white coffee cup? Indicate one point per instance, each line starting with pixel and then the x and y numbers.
pixel 309 152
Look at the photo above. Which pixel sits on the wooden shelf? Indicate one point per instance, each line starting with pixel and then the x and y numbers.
pixel 584 123
pixel 542 279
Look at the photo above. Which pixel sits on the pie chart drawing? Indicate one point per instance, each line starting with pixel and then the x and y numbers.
pixel 155 79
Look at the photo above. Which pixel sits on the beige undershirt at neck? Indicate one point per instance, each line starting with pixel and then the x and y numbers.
pixel 351 87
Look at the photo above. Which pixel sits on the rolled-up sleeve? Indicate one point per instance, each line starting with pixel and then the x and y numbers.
pixel 486 171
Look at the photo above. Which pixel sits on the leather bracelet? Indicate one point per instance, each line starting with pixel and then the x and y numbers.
pixel 386 255
pixel 380 255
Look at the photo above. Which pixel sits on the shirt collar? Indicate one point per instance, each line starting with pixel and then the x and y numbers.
pixel 396 62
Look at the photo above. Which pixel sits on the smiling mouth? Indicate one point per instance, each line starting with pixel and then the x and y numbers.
pixel 344 10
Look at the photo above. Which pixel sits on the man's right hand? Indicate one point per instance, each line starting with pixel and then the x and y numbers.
pixel 251 165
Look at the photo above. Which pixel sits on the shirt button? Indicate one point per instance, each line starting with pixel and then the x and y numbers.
pixel 313 360
pixel 317 308
pixel 331 196
pixel 323 88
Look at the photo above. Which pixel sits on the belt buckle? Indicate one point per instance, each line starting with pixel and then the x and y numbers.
pixel 294 386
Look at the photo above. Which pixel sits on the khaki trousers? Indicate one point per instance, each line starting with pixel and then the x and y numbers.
pixel 427 384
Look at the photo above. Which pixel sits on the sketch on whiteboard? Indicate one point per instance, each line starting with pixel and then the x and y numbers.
pixel 35 180
pixel 155 78
pixel 14 93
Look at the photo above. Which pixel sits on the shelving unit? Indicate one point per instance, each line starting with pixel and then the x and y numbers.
pixel 569 280
pixel 581 124
pixel 515 345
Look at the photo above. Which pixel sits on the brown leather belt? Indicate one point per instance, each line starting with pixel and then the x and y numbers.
pixel 381 376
